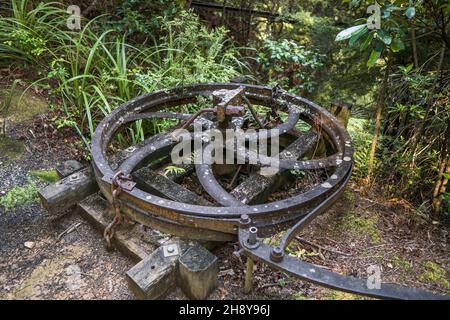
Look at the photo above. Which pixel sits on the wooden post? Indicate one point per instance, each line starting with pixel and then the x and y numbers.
pixel 248 285
pixel 198 270
pixel 156 275
pixel 341 111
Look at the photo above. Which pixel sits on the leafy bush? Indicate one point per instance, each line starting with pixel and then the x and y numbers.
pixel 358 129
pixel 289 64
pixel 94 70
pixel 31 35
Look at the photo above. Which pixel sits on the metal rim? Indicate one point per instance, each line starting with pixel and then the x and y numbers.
pixel 287 210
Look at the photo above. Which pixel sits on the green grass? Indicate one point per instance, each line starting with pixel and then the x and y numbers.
pixel 341 295
pixel 19 196
pixel 360 226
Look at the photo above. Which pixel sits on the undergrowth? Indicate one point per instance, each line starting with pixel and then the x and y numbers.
pixel 19 196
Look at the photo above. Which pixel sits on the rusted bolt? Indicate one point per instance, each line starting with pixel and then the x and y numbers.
pixel 245 221
pixel 252 235
pixel 277 254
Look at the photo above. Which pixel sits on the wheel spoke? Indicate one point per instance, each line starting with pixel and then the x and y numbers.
pixel 257 188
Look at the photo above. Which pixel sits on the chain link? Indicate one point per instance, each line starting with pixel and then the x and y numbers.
pixel 116 189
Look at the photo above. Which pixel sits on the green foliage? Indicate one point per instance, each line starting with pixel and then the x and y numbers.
pixel 360 132
pixel 30 35
pixel 19 196
pixel 289 64
pixel 93 71
pixel 390 36
pixel 189 53
pixel 141 17
pixel 173 170
pixel 400 263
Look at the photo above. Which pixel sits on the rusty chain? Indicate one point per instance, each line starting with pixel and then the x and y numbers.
pixel 119 182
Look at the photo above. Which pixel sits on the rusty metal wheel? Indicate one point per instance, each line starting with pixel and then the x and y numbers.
pixel 249 211
pixel 220 222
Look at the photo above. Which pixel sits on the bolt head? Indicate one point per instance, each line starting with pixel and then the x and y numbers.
pixel 245 221
pixel 277 254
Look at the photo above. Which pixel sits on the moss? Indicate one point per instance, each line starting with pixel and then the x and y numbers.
pixel 401 263
pixel 340 295
pixel 435 274
pixel 24 107
pixel 19 196
pixel 362 226
pixel 11 148
pixel 300 296
pixel 45 175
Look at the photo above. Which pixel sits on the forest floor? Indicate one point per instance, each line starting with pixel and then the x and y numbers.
pixel 39 261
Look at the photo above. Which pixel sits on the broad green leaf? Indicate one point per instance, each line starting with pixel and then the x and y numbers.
pixel 384 36
pixel 366 41
pixel 410 12
pixel 409 68
pixel 397 45
pixel 357 35
pixel 347 33
pixel 373 58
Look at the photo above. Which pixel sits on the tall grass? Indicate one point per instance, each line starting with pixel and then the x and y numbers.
pixel 96 69
pixel 30 34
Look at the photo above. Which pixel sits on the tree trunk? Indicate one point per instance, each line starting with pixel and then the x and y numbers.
pixel 380 107
pixel 414 46
pixel 444 168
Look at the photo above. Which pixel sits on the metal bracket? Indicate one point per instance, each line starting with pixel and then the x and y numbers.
pixel 170 250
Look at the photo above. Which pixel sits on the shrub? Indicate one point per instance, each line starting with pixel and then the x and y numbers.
pixel 19 196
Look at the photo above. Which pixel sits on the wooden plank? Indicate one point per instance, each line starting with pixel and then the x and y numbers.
pixel 154 276
pixel 257 188
pixel 65 193
pixel 131 239
pixel 157 270
pixel 68 167
pixel 159 185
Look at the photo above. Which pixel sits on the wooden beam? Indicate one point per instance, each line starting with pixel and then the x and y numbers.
pixel 257 188
pixel 159 185
pixel 65 193
pixel 131 239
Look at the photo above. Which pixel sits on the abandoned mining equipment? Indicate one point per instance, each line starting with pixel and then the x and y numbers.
pixel 212 202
